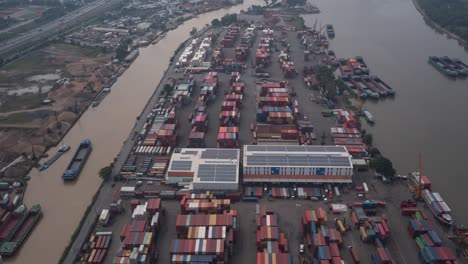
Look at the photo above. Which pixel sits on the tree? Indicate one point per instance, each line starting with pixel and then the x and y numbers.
pixel 374 152
pixel 382 165
pixel 327 80
pixel 215 22
pixel 193 31
pixel 167 89
pixel 367 139
pixel 121 52
pixel 106 172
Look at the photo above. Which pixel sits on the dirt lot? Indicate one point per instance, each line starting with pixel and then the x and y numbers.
pixel 70 77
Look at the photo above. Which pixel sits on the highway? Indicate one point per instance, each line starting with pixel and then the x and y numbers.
pixel 35 36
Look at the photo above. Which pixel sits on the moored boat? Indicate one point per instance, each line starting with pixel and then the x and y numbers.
pixel 351 87
pixel 78 161
pixel 11 223
pixel 330 31
pixel 368 116
pixel 380 83
pixel 62 150
pixel 437 63
pixel 362 87
pixel 21 232
pixel 373 87
pixel 438 207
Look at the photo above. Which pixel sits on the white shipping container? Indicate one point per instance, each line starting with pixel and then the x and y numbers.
pixel 366 189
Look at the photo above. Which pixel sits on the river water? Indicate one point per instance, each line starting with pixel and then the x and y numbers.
pixel 107 126
pixel 427 113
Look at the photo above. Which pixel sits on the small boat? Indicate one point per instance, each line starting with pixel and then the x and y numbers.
pixel 437 63
pixel 62 150
pixel 454 66
pixel 368 116
pixel 352 87
pixel 373 87
pixel 16 239
pixel 330 31
pixel 361 86
pixel 382 84
pixel 78 161
pixel 438 207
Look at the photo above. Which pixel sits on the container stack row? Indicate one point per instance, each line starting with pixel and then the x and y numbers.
pixel 348 135
pixel 428 242
pixel 272 244
pixel 205 229
pixel 228 135
pixel 324 242
pixel 138 237
pixel 99 244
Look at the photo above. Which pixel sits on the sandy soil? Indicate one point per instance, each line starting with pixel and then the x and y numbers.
pixel 87 72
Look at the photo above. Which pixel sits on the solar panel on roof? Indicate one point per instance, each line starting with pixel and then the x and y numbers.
pixel 181 165
pixel 271 148
pixel 215 172
pixel 219 154
pixel 297 160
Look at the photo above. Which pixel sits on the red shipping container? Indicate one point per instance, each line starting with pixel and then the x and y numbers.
pixel 336 260
pixel 335 252
pixel 354 255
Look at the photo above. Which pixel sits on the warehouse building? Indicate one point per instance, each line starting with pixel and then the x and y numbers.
pixel 297 164
pixel 205 169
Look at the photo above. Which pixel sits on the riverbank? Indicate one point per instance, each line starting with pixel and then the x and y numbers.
pixel 432 23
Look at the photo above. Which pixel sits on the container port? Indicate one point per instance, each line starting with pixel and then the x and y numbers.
pixel 236 159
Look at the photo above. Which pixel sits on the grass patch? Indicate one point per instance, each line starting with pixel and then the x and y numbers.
pixel 23 102
pixel 16 118
pixel 295 21
pixel 34 62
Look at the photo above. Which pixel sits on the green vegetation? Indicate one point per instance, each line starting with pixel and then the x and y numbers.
pixel 26 101
pixel 122 50
pixel 106 172
pixel 295 21
pixel 382 165
pixel 34 62
pixel 367 139
pixel 16 118
pixel 228 19
pixel 449 14
pixel 296 2
pixel 327 80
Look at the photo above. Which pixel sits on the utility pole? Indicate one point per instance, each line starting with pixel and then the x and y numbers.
pixel 420 178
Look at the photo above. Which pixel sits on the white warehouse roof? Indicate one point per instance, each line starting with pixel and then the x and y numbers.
pixel 207 169
pixel 292 164
pixel 296 156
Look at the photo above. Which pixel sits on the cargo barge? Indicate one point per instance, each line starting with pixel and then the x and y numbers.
pixel 351 87
pixel 368 116
pixel 62 150
pixel 377 81
pixel 78 161
pixel 330 31
pixel 21 232
pixel 11 223
pixel 437 63
pixel 438 207
pixel 363 88
pixel 461 71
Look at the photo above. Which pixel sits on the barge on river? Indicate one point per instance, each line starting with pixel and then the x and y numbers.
pixel 21 231
pixel 438 207
pixel 78 161
pixel 62 150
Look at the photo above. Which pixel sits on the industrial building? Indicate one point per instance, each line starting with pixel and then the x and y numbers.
pixel 205 169
pixel 297 164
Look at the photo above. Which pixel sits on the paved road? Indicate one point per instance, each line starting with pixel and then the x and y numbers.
pixel 42 33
